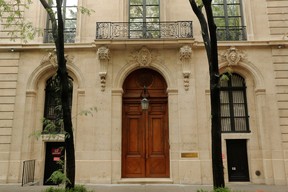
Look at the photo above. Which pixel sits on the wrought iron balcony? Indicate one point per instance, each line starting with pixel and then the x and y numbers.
pixel 69 35
pixel 237 33
pixel 144 30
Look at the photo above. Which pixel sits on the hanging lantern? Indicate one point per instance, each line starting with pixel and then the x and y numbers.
pixel 144 101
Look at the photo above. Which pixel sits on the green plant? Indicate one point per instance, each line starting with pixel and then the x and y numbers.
pixel 58 177
pixel 225 189
pixel 77 188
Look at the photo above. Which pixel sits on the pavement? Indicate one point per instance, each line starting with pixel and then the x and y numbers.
pixel 245 187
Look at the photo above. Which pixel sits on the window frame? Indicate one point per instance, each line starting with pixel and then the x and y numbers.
pixel 145 24
pixel 67 31
pixel 230 89
pixel 228 30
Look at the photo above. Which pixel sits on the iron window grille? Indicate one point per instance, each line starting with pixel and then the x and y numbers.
pixel 69 18
pixel 233 102
pixel 53 114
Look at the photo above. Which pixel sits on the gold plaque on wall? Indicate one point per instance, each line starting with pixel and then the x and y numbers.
pixel 189 155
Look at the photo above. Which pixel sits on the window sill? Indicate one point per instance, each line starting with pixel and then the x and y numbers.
pixel 237 135
pixel 53 137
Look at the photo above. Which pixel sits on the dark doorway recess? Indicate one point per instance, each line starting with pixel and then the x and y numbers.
pixel 237 160
pixel 54 153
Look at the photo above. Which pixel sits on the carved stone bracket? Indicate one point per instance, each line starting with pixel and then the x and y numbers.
pixel 104 58
pixel 185 55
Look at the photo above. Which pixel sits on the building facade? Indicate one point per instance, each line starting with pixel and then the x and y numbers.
pixel 130 50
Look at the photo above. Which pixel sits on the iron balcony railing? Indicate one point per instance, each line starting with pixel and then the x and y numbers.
pixel 144 30
pixel 231 33
pixel 69 35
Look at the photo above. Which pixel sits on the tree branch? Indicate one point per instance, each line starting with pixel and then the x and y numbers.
pixel 52 19
pixel 204 29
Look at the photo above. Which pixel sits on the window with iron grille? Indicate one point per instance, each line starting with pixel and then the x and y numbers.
pixel 233 101
pixel 53 117
pixel 144 19
pixel 69 8
pixel 229 20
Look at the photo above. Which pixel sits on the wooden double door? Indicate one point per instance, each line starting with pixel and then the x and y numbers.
pixel 145 146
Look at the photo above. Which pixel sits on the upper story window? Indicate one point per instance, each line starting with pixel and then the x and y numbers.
pixel 229 20
pixel 233 101
pixel 144 18
pixel 53 117
pixel 70 20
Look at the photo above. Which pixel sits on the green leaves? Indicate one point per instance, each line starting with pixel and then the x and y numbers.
pixel 89 111
pixel 84 10
pixel 12 18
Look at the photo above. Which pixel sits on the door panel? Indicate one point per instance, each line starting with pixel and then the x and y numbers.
pixel 237 160
pixel 133 149
pixel 145 142
pixel 158 147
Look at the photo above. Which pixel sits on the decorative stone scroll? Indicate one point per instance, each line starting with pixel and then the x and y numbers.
pixel 185 55
pixel 104 58
pixel 51 58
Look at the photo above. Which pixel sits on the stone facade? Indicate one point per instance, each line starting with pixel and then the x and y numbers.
pixel 99 68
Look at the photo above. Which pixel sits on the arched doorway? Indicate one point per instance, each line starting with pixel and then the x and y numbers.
pixel 145 133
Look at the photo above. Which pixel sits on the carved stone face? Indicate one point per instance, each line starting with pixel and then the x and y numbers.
pixel 185 52
pixel 232 56
pixel 103 53
pixel 144 57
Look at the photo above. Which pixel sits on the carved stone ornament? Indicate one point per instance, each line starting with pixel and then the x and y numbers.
pixel 104 58
pixel 185 55
pixel 185 52
pixel 103 53
pixel 144 57
pixel 233 56
pixel 186 76
pixel 52 58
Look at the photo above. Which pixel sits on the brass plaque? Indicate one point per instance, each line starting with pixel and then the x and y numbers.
pixel 189 155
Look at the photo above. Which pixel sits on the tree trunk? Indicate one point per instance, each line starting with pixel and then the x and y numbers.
pixel 58 36
pixel 210 42
pixel 64 82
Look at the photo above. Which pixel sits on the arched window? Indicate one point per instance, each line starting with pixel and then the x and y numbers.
pixel 53 117
pixel 233 100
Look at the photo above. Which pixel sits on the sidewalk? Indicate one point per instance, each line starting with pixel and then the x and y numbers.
pixel 152 188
